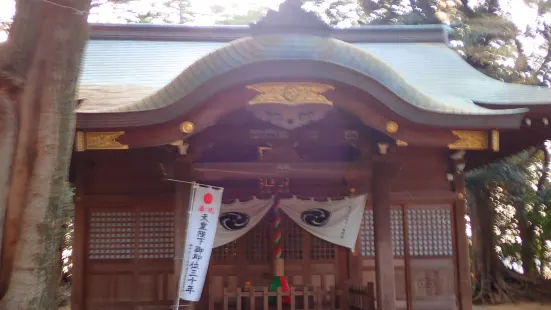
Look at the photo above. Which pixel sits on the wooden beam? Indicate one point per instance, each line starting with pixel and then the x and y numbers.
pixel 322 135
pixel 218 171
pixel 384 257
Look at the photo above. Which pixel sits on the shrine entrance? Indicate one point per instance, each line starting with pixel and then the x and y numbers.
pixel 311 148
pixel 309 260
pixel 317 153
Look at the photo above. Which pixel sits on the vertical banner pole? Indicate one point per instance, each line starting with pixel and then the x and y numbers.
pixel 200 233
pixel 185 250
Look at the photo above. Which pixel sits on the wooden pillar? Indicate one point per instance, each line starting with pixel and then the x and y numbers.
pixel 462 245
pixel 384 258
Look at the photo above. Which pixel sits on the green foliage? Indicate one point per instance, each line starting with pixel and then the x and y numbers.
pixel 517 190
pixel 339 13
pixel 253 15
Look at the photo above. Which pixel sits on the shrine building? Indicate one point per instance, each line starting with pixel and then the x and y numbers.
pixel 293 108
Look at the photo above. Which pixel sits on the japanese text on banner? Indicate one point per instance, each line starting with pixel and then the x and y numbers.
pixel 202 223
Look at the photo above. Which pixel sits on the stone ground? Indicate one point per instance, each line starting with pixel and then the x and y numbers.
pixel 515 307
pixel 502 307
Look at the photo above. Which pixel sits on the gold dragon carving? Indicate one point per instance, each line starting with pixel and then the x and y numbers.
pixel 99 141
pixel 290 93
pixel 474 140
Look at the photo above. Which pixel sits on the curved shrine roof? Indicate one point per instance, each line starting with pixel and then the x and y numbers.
pixel 130 74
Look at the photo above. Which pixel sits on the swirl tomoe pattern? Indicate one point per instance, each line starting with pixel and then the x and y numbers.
pixel 316 217
pixel 234 220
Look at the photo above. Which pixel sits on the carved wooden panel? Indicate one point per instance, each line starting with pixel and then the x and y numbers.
pixel 430 232
pixel 433 284
pixel 130 258
pixel 397 231
pixel 112 235
pixel 129 235
pixel 367 234
pixel 156 235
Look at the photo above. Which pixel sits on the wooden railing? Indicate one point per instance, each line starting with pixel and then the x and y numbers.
pixel 361 297
pixel 299 298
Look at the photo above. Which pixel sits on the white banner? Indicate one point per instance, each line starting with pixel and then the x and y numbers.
pixel 335 221
pixel 238 218
pixel 201 229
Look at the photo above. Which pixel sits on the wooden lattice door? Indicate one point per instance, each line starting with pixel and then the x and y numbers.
pixel 246 259
pixel 310 260
pixel 129 259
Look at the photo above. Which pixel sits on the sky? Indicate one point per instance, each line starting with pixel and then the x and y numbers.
pixel 521 14
pixel 202 7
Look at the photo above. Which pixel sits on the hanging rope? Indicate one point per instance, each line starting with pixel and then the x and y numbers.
pixel 278 247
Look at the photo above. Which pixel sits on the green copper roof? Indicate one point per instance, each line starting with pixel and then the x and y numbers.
pixel 429 76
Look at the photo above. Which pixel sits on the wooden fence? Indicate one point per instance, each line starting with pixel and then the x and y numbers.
pixel 298 298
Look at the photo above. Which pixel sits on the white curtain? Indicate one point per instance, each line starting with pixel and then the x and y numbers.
pixel 335 221
pixel 238 218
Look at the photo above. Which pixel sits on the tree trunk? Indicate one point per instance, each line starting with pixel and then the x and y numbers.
pixel 542 185
pixel 8 124
pixel 528 237
pixel 484 239
pixel 488 269
pixel 39 66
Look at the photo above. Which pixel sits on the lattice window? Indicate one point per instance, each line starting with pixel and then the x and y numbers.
pixel 397 230
pixel 321 249
pixel 430 232
pixel 292 239
pixel 258 242
pixel 226 252
pixel 156 235
pixel 112 235
pixel 130 235
pixel 367 234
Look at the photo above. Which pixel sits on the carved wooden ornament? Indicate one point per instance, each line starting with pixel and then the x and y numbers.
pixel 290 105
pixel 99 141
pixel 470 140
pixel 290 93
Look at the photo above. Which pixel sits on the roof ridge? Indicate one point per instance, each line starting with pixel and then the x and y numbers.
pixel 222 33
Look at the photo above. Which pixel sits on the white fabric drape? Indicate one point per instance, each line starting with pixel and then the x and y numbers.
pixel 238 218
pixel 335 221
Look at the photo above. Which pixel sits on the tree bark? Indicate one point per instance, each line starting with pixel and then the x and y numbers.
pixel 486 266
pixel 8 124
pixel 528 237
pixel 39 66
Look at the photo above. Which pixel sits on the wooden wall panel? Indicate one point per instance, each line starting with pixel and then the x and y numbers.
pixel 134 172
pixel 128 254
pixel 433 284
pixel 122 180
pixel 422 169
pixel 426 261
